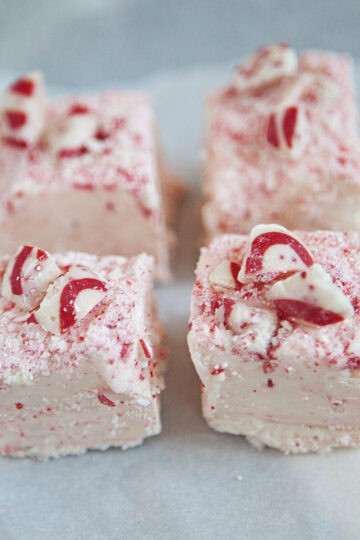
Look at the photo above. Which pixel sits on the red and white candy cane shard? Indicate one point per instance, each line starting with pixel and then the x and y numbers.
pixel 272 252
pixel 228 306
pixel 311 296
pixel 27 276
pixel 286 130
pixel 225 275
pixel 69 299
pixel 74 133
pixel 145 349
pixel 23 111
pixel 266 66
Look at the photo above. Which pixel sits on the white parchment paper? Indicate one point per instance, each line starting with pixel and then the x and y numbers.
pixel 189 482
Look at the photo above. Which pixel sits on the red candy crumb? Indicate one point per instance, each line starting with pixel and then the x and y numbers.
pixel 31 319
pixel 353 362
pixel 25 87
pixel 217 371
pixel 235 269
pixel 214 305
pixel 19 405
pixel 125 349
pixel 73 152
pixel 272 135
pixel 228 306
pixel 145 348
pixel 101 134
pixel 270 383
pixel 289 123
pixel 84 185
pixel 79 108
pixel 15 119
pixel 267 366
pixel 41 255
pixel 105 401
pixel 16 143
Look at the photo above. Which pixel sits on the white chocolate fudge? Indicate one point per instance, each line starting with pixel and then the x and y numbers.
pixel 81 363
pixel 275 337
pixel 282 145
pixel 83 173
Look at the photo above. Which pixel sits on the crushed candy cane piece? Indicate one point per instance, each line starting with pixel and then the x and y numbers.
pixel 311 296
pixel 74 134
pixel 242 318
pixel 273 251
pixel 145 349
pixel 27 277
pixel 69 299
pixel 225 275
pixel 286 130
pixel 266 66
pixel 23 110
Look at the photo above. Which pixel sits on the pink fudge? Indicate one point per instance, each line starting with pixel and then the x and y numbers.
pixel 82 173
pixel 275 338
pixel 282 145
pixel 81 367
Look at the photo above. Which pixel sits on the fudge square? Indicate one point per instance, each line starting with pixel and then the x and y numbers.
pixel 282 145
pixel 275 337
pixel 81 361
pixel 82 173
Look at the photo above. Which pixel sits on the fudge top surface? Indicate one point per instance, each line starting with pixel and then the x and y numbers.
pixel 239 158
pixel 108 336
pixel 336 344
pixel 121 153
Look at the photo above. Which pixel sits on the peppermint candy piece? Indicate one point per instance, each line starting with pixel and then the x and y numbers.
pixel 273 251
pixel 69 299
pixel 241 317
pixel 255 323
pixel 73 136
pixel 311 296
pixel 266 66
pixel 225 275
pixel 286 130
pixel 145 351
pixel 23 111
pixel 27 277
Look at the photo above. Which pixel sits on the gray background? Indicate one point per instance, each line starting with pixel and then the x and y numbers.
pixel 82 42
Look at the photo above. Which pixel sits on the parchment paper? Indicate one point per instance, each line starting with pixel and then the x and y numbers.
pixel 189 482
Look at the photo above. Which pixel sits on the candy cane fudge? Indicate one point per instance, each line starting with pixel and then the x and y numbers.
pixel 82 173
pixel 275 337
pixel 81 361
pixel 282 145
